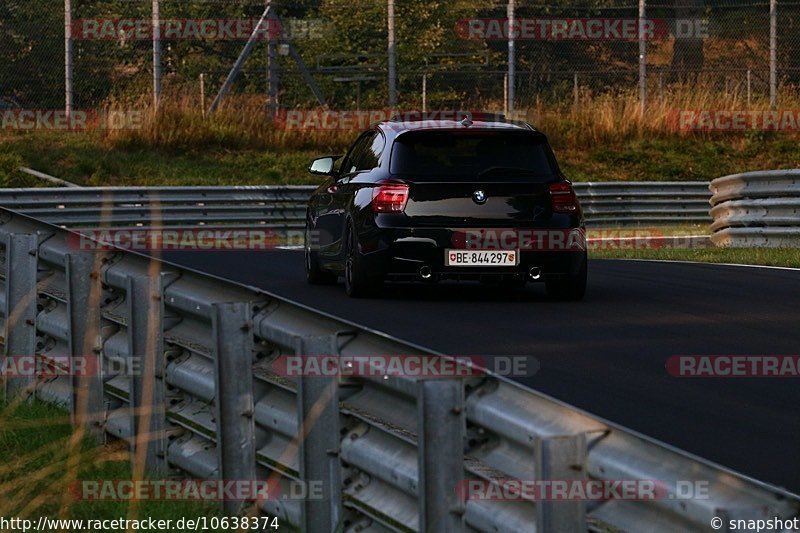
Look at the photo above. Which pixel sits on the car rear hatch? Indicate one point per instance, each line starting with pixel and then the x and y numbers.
pixel 477 203
pixel 475 178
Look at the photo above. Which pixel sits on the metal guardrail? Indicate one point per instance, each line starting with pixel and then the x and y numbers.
pixel 756 209
pixel 645 202
pixel 282 207
pixel 612 203
pixel 58 182
pixel 389 453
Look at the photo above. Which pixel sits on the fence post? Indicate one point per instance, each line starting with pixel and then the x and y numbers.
pixel 156 53
pixel 505 94
pixel 642 58
pixel 237 66
pixel 68 54
pixel 576 95
pixel 561 458
pixel 512 58
pixel 84 296
pixel 318 436
pixel 424 93
pixel 749 87
pixel 441 429
pixel 232 327
pixel 203 94
pixel 20 304
pixel 146 365
pixel 392 51
pixel 273 67
pixel 773 54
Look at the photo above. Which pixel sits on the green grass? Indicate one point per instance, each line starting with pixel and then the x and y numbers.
pixel 91 161
pixel 677 158
pixel 674 230
pixel 35 445
pixel 780 257
pixel 87 160
pixel 607 141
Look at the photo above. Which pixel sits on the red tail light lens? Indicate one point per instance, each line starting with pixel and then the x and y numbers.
pixel 562 197
pixel 389 198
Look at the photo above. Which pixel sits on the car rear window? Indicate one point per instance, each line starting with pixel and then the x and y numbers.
pixel 459 153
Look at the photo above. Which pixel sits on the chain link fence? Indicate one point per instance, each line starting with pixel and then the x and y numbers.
pixel 449 55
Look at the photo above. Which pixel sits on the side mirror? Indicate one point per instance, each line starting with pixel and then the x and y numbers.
pixel 323 166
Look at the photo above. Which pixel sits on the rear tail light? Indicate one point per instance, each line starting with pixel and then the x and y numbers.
pixel 562 197
pixel 389 198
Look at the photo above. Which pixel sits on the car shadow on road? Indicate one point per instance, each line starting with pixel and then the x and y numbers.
pixel 463 291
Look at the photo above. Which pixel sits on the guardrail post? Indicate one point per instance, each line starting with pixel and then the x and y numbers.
pixel 84 295
pixel 441 429
pixel 20 304
pixel 146 367
pixel 561 458
pixel 232 326
pixel 318 436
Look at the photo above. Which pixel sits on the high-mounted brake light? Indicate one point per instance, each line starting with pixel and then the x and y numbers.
pixel 389 198
pixel 562 197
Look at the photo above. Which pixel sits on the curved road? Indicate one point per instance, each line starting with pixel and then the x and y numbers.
pixel 606 354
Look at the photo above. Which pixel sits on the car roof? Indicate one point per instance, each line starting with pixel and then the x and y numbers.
pixel 452 121
pixel 453 125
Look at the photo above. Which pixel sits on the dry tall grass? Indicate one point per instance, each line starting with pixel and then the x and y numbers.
pixel 613 118
pixel 243 121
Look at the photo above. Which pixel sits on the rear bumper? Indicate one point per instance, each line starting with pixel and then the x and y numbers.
pixel 400 253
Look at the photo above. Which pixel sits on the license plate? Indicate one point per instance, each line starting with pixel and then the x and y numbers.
pixel 484 258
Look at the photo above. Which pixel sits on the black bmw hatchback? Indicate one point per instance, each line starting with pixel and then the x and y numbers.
pixel 469 197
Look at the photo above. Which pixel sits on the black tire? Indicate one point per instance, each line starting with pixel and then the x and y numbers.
pixel 314 274
pixel 357 284
pixel 572 287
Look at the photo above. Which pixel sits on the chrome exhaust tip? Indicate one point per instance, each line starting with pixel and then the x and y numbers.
pixel 425 272
pixel 535 273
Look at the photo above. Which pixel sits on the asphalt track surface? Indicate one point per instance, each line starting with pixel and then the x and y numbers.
pixel 607 353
